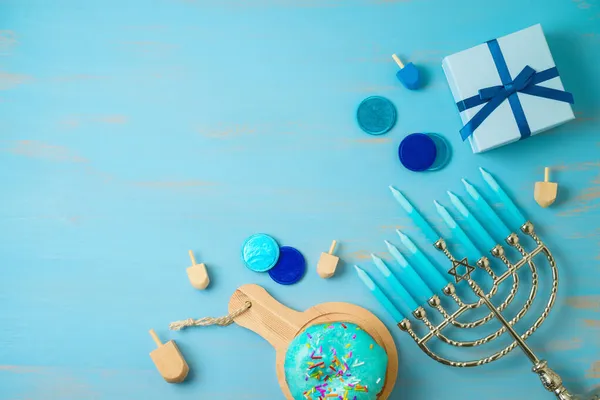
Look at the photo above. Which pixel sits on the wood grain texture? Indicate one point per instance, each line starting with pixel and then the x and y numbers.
pixel 279 325
pixel 132 131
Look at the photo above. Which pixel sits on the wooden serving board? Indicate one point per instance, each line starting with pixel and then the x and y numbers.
pixel 279 325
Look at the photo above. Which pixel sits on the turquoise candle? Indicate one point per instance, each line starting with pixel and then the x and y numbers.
pixel 473 254
pixel 489 214
pixel 478 230
pixel 379 295
pixel 409 278
pixel 434 279
pixel 515 214
pixel 408 304
pixel 430 234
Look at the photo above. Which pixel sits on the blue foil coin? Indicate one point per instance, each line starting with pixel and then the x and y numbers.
pixel 417 152
pixel 376 115
pixel 290 267
pixel 260 252
pixel 443 149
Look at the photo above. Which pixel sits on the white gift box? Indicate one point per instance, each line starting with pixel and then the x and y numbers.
pixel 479 67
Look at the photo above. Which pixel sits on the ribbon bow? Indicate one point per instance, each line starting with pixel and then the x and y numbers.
pixel 525 82
pixel 521 82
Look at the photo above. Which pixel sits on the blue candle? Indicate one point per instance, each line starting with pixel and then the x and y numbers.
pixel 409 278
pixel 490 215
pixel 515 214
pixel 478 230
pixel 379 295
pixel 434 279
pixel 430 234
pixel 408 304
pixel 472 252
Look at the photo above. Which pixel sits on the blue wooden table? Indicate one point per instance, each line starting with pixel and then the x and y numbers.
pixel 132 131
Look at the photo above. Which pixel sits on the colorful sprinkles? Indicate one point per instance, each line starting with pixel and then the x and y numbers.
pixel 333 376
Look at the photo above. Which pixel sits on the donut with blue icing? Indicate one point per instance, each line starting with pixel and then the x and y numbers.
pixel 335 361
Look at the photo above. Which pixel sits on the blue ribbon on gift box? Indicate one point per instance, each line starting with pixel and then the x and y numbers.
pixel 525 82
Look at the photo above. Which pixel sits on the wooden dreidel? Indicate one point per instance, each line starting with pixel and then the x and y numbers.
pixel 168 360
pixel 409 74
pixel 328 263
pixel 197 274
pixel 545 192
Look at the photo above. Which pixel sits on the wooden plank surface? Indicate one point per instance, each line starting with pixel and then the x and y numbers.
pixel 133 131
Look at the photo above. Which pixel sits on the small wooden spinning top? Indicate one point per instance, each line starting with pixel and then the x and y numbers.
pixel 328 263
pixel 197 274
pixel 545 192
pixel 168 360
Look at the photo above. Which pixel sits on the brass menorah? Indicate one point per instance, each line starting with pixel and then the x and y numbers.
pixel 550 379
pixel 462 270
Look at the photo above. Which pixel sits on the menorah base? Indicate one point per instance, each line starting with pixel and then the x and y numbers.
pixel 593 395
pixel 553 383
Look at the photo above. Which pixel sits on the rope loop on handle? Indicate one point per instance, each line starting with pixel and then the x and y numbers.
pixel 207 321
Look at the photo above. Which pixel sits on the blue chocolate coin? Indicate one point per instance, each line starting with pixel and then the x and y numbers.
pixel 417 152
pixel 290 268
pixel 260 252
pixel 443 149
pixel 376 115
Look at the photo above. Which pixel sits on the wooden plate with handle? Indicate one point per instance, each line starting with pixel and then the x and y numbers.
pixel 279 325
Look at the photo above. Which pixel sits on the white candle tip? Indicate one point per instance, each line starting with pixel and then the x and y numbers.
pixel 401 199
pixel 374 257
pixel 365 278
pixel 359 270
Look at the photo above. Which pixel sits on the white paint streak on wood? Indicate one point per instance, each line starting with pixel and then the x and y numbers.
pixel 149 47
pixel 563 345
pixel 592 323
pixel 76 121
pixel 11 80
pixel 43 151
pixel 374 140
pixel 582 4
pixel 594 371
pixel 174 184
pixel 8 39
pixel 584 302
pixel 268 3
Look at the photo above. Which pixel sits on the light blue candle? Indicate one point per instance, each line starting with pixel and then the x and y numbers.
pixel 430 234
pixel 478 231
pixel 408 304
pixel 434 279
pixel 515 214
pixel 473 254
pixel 379 295
pixel 489 214
pixel 409 278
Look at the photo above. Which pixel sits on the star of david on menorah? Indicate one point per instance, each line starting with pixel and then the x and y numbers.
pixel 424 283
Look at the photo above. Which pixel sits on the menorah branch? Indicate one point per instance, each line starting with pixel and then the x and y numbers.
pixel 550 379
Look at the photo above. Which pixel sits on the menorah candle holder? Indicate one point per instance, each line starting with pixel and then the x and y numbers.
pixel 425 280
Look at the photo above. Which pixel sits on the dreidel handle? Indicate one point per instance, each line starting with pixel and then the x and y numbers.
pixel 332 248
pixel 546 174
pixel 155 338
pixel 400 63
pixel 192 257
